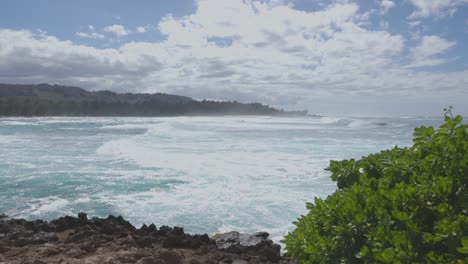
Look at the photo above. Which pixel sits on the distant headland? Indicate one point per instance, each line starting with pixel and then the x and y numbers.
pixel 58 100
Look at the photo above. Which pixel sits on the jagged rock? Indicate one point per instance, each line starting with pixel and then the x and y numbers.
pixel 3 248
pixel 174 242
pixel 202 250
pixel 88 247
pixel 82 216
pixel 171 257
pixel 152 228
pixel 4 228
pixel 203 238
pixel 226 261
pixel 35 239
pixel 51 251
pixel 76 253
pixel 149 260
pixel 64 235
pixel 65 223
pixel 227 240
pixel 114 240
pixel 144 242
pixel 239 261
pixel 109 260
pixel 194 261
pixel 127 258
pixel 271 253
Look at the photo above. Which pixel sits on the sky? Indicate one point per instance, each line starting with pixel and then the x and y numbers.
pixel 343 57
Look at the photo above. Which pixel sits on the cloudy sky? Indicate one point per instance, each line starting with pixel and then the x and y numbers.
pixel 366 57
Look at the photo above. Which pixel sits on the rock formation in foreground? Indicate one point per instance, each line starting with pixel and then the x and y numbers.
pixel 114 240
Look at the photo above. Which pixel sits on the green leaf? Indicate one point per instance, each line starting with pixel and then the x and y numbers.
pixel 464 248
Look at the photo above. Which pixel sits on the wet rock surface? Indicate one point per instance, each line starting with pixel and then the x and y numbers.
pixel 114 240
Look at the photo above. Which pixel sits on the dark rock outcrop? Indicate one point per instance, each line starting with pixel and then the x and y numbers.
pixel 114 240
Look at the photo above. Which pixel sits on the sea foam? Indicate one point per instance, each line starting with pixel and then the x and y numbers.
pixel 207 174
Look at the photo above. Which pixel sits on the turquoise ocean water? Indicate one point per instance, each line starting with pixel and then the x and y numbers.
pixel 207 174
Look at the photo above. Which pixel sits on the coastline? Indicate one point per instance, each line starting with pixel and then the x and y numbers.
pixel 71 239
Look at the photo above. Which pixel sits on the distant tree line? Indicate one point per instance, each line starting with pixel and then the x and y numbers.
pixel 55 100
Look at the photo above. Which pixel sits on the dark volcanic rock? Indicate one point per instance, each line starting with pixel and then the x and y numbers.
pixel 171 257
pixel 114 240
pixel 144 241
pixel 271 253
pixel 82 216
pixel 65 223
pixel 150 260
pixel 230 239
pixel 4 228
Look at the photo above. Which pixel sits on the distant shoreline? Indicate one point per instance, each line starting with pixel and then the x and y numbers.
pixel 281 116
pixel 44 100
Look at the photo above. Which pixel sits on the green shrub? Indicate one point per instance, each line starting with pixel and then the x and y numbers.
pixel 404 205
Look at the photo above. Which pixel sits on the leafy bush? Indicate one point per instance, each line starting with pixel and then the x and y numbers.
pixel 404 205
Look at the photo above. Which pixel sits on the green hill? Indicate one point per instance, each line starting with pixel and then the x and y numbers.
pixel 57 100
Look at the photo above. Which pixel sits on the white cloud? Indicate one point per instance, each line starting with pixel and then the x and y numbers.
pixel 141 29
pixel 36 58
pixel 246 51
pixel 427 52
pixel 414 23
pixel 117 30
pixel 386 5
pixel 146 28
pixel 92 35
pixel 384 25
pixel 440 8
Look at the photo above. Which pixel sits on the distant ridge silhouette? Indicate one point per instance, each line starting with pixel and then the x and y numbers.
pixel 58 100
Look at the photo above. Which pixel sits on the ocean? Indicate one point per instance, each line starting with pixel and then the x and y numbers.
pixel 206 174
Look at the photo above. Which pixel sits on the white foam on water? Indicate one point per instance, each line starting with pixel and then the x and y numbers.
pixel 5 139
pixel 125 126
pixel 65 120
pixel 207 174
pixel 241 183
pixel 46 205
pixel 43 207
pixel 203 206
pixel 242 123
pixel 329 120
pixel 195 159
pixel 83 200
pixel 358 123
pixel 51 206
pixel 18 123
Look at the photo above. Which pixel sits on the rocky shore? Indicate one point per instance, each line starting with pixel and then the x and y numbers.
pixel 114 240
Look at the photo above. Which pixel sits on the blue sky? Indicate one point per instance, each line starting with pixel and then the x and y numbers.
pixel 368 57
pixel 64 18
